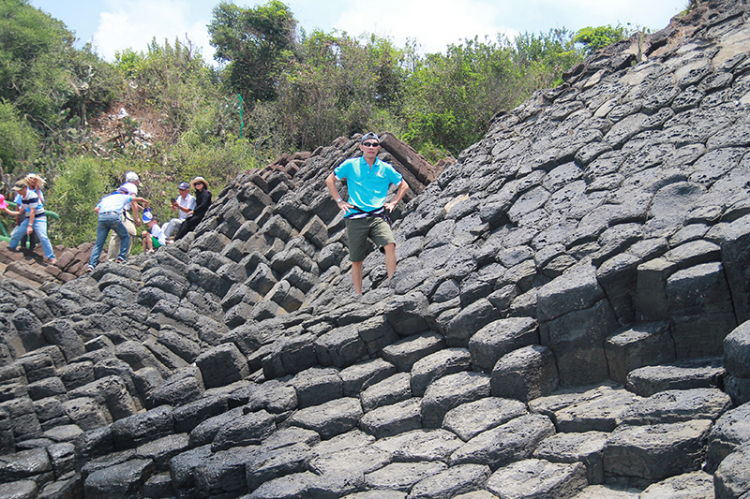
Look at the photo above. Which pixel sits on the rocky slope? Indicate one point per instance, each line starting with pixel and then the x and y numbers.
pixel 568 318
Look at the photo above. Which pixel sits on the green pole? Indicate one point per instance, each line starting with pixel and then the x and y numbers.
pixel 242 123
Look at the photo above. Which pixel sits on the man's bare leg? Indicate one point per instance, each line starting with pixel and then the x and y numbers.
pixel 390 259
pixel 357 277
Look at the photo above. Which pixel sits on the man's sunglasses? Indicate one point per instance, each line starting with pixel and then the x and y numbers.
pixel 370 144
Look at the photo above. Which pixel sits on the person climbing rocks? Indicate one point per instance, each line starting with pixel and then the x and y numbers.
pixel 34 222
pixel 130 217
pixel 110 210
pixel 366 212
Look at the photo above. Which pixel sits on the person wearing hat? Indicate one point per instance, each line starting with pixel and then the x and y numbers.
pixel 155 238
pixel 184 204
pixel 202 204
pixel 35 221
pixel 366 212
pixel 35 184
pixel 109 211
pixel 129 217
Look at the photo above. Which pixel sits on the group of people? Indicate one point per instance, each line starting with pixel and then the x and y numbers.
pixel 31 219
pixel 119 213
pixel 366 211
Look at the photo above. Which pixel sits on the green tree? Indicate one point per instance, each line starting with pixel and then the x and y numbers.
pixel 256 43
pixel 595 38
pixel 19 143
pixel 32 46
pixel 337 87
pixel 74 194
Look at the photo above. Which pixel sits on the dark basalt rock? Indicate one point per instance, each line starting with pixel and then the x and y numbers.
pixel 568 315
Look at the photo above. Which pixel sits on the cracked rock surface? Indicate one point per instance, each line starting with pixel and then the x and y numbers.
pixel 569 316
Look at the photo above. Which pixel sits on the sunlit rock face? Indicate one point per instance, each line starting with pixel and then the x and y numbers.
pixel 568 316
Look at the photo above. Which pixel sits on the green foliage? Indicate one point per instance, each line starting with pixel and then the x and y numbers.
pixel 257 43
pixel 599 37
pixel 172 78
pixel 336 87
pixel 43 75
pixel 74 195
pixel 19 143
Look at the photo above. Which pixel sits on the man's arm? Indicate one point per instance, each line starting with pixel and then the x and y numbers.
pixel 331 183
pixel 403 187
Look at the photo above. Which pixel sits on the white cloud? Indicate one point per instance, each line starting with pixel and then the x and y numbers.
pixel 134 23
pixel 433 24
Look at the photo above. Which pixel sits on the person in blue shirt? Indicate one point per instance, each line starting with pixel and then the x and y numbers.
pixel 110 210
pixel 366 211
pixel 35 220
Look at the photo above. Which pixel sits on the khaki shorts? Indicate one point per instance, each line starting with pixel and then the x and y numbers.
pixel 358 230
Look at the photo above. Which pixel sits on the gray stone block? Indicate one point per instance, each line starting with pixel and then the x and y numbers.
pixel 451 482
pixel 504 444
pixel 223 473
pixel 694 485
pixel 451 391
pixel 674 406
pixel 396 388
pixel 122 480
pixel 407 314
pixel 682 375
pixel 377 333
pixel 389 420
pixel 24 465
pixel 249 429
pixel 341 347
pixel 359 377
pixel 269 464
pixel 470 419
pixel 638 345
pixel 135 430
pixel 500 337
pixel 405 353
pixel 599 413
pixel 732 478
pixel 525 374
pixel 699 300
pixel 586 448
pixel 538 478
pixel 420 445
pixel 329 419
pixel 436 365
pixel 577 340
pixel 468 321
pixel 737 351
pixel 402 476
pixel 650 453
pixel 317 386
pixel 730 432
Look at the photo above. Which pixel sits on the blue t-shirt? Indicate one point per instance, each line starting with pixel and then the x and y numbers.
pixel 367 186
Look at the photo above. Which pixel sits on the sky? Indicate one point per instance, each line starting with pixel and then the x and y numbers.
pixel 115 25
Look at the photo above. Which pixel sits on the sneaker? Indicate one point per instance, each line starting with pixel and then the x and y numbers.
pixel 119 260
pixel 89 269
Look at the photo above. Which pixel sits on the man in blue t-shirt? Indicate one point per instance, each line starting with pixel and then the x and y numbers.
pixel 366 212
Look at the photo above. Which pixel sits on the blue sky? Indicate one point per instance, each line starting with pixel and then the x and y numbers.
pixel 114 25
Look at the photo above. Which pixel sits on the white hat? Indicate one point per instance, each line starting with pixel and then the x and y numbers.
pixel 147 216
pixel 131 177
pixel 129 188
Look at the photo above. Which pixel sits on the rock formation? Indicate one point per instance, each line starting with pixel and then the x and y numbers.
pixel 568 317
